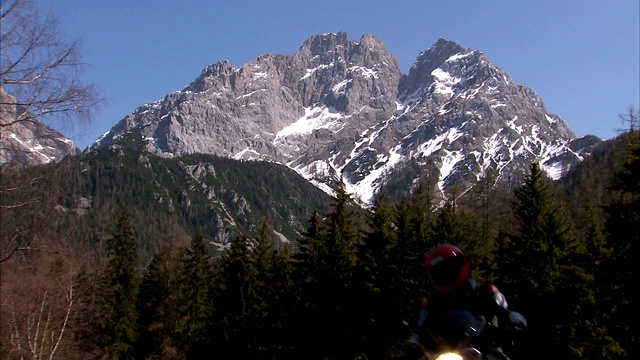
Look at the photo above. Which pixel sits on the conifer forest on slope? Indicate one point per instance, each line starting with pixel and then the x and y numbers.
pixel 135 276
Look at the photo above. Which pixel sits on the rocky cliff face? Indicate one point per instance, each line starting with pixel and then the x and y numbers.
pixel 340 106
pixel 28 142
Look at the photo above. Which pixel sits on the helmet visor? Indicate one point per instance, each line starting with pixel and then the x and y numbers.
pixel 446 272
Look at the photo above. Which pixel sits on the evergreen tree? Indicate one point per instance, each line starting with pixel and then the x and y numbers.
pixel 597 343
pixel 414 218
pixel 621 269
pixel 270 299
pixel 195 306
pixel 378 285
pixel 335 279
pixel 447 228
pixel 158 307
pixel 326 267
pixel 260 321
pixel 120 291
pixel 283 302
pixel 537 269
pixel 310 247
pixel 232 298
pixel 307 261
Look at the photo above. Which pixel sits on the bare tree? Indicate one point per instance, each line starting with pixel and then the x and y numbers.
pixel 40 83
pixel 631 119
pixel 41 69
pixel 40 80
pixel 37 307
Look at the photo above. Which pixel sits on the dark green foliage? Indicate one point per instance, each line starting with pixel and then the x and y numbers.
pixel 271 300
pixel 343 286
pixel 414 218
pixel 541 264
pixel 119 292
pixel 621 267
pixel 159 303
pixel 216 197
pixel 585 188
pixel 232 299
pixel 530 258
pixel 195 305
pixel 332 281
pixel 379 287
pixel 311 249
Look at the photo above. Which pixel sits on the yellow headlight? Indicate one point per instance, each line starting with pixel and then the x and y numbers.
pixel 449 356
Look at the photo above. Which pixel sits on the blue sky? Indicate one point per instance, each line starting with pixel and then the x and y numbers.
pixel 581 56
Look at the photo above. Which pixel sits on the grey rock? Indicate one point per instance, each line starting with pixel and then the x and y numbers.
pixel 26 141
pixel 340 106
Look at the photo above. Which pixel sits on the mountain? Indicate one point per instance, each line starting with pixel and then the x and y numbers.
pixel 341 106
pixel 27 141
pixel 216 197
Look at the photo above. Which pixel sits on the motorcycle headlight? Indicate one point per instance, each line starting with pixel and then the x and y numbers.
pixel 449 356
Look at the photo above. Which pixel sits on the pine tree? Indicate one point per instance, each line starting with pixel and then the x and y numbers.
pixel 378 285
pixel 447 228
pixel 335 275
pixel 326 267
pixel 538 270
pixel 158 307
pixel 307 262
pixel 593 331
pixel 195 306
pixel 232 298
pixel 310 247
pixel 284 300
pixel 120 291
pixel 623 236
pixel 341 238
pixel 260 334
pixel 270 296
pixel 413 221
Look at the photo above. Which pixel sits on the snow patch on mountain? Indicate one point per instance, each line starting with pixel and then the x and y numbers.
pixel 366 72
pixel 311 72
pixel 449 161
pixel 444 82
pixel 317 117
pixel 364 191
pixel 340 107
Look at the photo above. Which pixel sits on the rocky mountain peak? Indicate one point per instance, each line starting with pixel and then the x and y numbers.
pixel 26 141
pixel 327 42
pixel 221 68
pixel 441 51
pixel 422 70
pixel 340 106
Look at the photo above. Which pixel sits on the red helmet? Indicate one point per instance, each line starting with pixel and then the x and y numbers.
pixel 447 267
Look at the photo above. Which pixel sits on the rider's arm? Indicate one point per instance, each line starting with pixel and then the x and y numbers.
pixel 511 325
pixel 420 339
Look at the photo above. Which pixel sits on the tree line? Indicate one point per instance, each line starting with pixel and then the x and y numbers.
pixel 343 291
pixel 349 288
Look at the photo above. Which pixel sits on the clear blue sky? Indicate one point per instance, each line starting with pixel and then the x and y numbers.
pixel 581 56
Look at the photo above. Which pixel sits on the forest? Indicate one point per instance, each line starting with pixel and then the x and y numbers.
pixel 349 287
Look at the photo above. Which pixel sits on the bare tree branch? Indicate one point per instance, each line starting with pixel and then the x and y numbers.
pixel 57 342
pixel 41 69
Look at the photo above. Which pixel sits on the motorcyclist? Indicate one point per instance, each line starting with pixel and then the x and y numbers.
pixel 450 272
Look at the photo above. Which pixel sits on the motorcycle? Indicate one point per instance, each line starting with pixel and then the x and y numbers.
pixel 456 336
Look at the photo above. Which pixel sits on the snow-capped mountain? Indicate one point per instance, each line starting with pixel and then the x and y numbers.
pixel 341 106
pixel 27 142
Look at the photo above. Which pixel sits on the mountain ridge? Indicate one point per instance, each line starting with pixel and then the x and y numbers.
pixel 26 141
pixel 343 107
